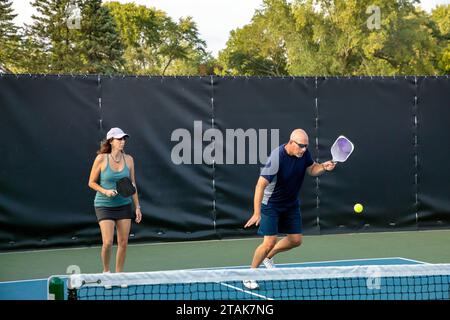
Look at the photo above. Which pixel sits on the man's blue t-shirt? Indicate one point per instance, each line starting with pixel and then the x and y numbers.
pixel 285 174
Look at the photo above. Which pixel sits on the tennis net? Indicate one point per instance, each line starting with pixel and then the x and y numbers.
pixel 381 282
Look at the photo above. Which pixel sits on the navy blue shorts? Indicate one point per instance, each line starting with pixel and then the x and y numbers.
pixel 284 220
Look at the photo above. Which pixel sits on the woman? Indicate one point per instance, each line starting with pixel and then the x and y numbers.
pixel 113 210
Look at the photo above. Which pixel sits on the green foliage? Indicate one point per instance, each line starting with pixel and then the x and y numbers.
pixel 441 18
pixel 9 40
pixel 154 44
pixel 342 42
pixel 339 37
pixel 101 48
pixel 138 27
pixel 259 47
pixel 284 37
pixel 49 45
pixel 53 44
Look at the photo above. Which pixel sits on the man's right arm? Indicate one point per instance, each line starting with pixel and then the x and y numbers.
pixel 259 193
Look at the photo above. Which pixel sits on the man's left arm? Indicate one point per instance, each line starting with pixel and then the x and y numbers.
pixel 317 169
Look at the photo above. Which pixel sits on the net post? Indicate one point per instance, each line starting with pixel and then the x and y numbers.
pixel 56 289
pixel 71 292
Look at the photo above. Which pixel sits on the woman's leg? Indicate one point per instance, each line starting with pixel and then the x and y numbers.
pixel 107 230
pixel 123 231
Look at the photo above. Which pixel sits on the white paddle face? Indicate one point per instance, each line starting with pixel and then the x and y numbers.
pixel 342 149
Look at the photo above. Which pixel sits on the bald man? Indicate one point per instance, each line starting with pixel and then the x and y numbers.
pixel 276 203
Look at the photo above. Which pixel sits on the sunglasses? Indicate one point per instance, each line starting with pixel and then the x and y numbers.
pixel 301 146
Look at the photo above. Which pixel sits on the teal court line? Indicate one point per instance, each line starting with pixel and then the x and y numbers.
pixel 36 289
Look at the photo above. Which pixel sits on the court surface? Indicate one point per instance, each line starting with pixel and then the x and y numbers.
pixel 24 274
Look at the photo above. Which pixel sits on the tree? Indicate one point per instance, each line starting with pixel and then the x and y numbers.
pixel 181 42
pixel 405 42
pixel 9 40
pixel 440 16
pixel 259 48
pixel 195 63
pixel 49 45
pixel 139 28
pixel 154 44
pixel 100 46
pixel 337 37
pixel 53 45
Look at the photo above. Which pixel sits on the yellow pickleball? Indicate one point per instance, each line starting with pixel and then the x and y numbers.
pixel 358 208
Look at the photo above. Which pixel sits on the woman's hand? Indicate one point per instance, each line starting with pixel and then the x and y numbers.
pixel 138 215
pixel 110 193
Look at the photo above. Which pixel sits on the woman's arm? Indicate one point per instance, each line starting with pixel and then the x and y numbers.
pixel 135 196
pixel 95 174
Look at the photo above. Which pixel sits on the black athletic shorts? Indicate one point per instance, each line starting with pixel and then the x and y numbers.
pixel 114 213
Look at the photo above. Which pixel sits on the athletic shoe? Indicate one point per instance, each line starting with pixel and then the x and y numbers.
pixel 250 284
pixel 268 263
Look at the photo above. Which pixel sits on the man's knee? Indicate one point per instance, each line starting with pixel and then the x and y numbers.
pixel 296 241
pixel 269 244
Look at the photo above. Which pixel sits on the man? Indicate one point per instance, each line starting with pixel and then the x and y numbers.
pixel 276 202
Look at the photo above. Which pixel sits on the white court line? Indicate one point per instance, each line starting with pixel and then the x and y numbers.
pixel 308 262
pixel 31 280
pixel 246 291
pixel 18 281
pixel 315 262
pixel 417 261
pixel 190 242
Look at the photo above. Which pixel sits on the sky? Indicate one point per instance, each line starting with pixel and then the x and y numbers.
pixel 215 18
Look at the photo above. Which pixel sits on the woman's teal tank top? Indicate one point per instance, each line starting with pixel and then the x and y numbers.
pixel 108 179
